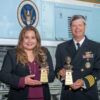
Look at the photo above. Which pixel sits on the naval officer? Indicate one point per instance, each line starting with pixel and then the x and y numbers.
pixel 83 55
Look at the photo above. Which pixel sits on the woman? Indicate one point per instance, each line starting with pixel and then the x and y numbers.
pixel 22 68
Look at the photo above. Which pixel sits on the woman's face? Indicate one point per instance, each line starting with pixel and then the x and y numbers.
pixel 29 40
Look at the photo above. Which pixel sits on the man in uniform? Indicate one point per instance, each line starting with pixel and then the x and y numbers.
pixel 84 55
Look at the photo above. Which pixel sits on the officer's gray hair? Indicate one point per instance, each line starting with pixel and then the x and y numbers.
pixel 75 17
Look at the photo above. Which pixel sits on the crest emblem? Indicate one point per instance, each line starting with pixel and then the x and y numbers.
pixel 27 13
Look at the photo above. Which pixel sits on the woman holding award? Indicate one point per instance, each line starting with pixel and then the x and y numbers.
pixel 28 68
pixel 78 64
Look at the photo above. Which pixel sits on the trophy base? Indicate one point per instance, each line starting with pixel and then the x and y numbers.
pixel 68 78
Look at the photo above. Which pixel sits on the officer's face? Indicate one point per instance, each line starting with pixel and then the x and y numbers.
pixel 78 28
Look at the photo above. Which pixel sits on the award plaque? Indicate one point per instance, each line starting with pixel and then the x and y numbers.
pixel 44 72
pixel 68 67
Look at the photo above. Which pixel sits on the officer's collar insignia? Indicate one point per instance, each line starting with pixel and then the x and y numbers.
pixel 27 13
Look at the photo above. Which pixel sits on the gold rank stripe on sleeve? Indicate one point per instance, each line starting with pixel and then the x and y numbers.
pixel 90 79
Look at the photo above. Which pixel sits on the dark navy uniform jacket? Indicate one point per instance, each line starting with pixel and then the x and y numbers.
pixel 90 73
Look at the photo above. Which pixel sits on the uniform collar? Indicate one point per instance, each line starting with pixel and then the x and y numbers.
pixel 81 42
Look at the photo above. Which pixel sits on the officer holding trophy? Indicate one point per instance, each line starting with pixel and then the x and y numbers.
pixel 78 64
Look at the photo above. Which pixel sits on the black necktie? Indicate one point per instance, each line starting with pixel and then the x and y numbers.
pixel 78 45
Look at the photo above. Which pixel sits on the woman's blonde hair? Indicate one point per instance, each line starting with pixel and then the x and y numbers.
pixel 38 51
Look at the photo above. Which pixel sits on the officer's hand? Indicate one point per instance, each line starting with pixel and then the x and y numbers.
pixel 77 84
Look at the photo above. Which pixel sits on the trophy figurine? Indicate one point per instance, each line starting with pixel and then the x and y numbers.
pixel 44 72
pixel 68 68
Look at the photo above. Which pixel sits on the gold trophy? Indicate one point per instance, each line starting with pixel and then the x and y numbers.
pixel 44 72
pixel 68 68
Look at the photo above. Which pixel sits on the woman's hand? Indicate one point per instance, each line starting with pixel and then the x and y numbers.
pixel 29 80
